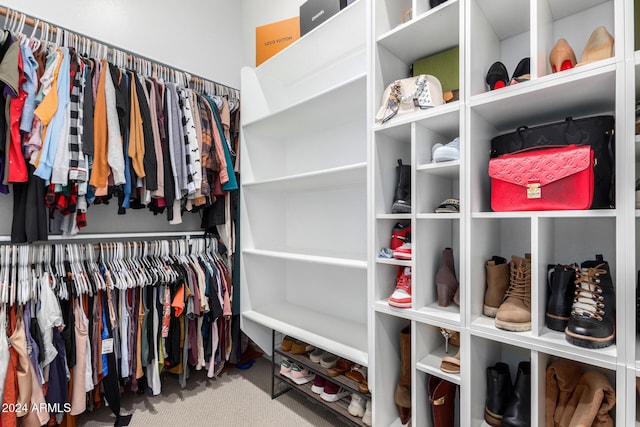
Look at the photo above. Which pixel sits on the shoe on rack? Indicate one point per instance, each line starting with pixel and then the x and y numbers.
pixel 497 76
pixel 446 281
pixel 514 313
pixel 318 384
pixel 402 199
pixel 442 397
pixel 300 375
pixel 518 410
pixel 328 360
pixel 598 47
pixel 522 72
pixel 562 57
pixel 448 206
pixel 285 367
pixel 357 405
pixel 341 366
pixel 363 387
pixel 286 344
pixel 592 321
pixel 401 296
pixel 402 395
pixel 560 281
pixel 403 252
pixel 451 364
pixel 357 373
pixel 499 391
pixel 300 347
pixel 333 392
pixel 497 271
pixel 400 234
pixel 366 418
pixel 436 3
pixel 316 354
pixel 446 152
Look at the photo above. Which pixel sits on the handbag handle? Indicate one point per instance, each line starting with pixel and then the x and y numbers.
pixel 572 134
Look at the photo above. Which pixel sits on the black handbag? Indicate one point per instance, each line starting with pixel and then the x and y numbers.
pixel 596 131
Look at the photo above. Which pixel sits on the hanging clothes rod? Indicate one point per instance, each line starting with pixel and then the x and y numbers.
pixel 132 57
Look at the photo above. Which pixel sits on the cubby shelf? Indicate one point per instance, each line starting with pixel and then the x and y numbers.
pixel 431 364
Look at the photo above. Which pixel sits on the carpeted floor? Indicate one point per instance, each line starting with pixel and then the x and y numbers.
pixel 237 398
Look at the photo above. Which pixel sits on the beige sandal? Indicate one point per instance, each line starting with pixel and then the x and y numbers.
pixel 451 365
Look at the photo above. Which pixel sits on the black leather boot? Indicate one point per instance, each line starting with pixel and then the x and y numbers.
pixel 499 390
pixel 592 321
pixel 561 293
pixel 402 200
pixel 518 412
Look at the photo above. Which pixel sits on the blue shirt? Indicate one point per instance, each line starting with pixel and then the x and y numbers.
pixel 29 65
pixel 52 136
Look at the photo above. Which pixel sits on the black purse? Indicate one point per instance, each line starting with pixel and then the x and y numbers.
pixel 596 131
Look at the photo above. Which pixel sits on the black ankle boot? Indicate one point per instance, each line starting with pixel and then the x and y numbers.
pixel 402 200
pixel 499 390
pixel 518 412
pixel 592 321
pixel 561 293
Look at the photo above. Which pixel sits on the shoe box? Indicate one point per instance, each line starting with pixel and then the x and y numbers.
pixel 315 12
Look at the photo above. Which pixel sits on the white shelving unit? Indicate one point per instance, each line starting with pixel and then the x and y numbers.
pixel 319 179
pixel 304 190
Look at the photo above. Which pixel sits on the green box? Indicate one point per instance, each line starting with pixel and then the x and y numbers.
pixel 444 65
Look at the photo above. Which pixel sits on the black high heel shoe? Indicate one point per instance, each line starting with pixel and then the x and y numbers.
pixel 434 3
pixel 522 72
pixel 497 76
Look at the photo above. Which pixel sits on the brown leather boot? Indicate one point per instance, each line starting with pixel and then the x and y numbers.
pixel 497 284
pixel 514 313
pixel 442 396
pixel 402 395
pixel 446 282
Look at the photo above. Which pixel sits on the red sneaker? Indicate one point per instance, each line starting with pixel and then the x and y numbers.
pixel 401 297
pixel 403 252
pixel 401 233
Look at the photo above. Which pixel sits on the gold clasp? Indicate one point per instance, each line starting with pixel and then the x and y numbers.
pixel 534 191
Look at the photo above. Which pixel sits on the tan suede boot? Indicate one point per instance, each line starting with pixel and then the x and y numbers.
pixel 497 285
pixel 402 396
pixel 514 313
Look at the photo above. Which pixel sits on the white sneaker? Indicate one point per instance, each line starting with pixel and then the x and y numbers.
pixel 316 354
pixel 447 152
pixel 300 375
pixel 366 418
pixel 328 360
pixel 356 407
pixel 285 368
pixel 333 392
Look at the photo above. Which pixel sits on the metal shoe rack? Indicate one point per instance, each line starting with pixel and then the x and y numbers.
pixel 338 408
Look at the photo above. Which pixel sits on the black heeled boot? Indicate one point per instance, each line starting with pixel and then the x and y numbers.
pixel 561 293
pixel 402 200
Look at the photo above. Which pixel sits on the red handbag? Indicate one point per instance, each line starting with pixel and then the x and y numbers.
pixel 548 179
